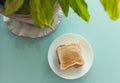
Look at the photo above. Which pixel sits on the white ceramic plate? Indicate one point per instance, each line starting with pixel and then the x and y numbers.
pixel 72 73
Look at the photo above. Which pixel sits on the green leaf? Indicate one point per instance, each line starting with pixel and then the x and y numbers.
pixel 112 7
pixel 36 12
pixel 65 6
pixel 48 8
pixel 25 9
pixel 12 6
pixel 42 12
pixel 80 7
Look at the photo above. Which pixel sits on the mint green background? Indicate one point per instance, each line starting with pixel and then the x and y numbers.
pixel 24 60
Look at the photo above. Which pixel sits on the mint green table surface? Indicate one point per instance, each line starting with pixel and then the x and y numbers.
pixel 24 60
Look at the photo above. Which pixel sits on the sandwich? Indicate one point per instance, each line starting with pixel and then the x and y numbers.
pixel 70 56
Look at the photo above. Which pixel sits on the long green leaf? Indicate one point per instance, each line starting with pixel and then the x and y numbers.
pixel 42 12
pixel 65 6
pixel 12 6
pixel 80 7
pixel 48 8
pixel 36 12
pixel 112 7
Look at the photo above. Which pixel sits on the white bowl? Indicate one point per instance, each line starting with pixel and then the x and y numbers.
pixel 72 73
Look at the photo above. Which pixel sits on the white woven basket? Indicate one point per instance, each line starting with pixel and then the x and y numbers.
pixel 22 25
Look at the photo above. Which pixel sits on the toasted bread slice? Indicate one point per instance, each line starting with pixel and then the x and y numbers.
pixel 70 56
